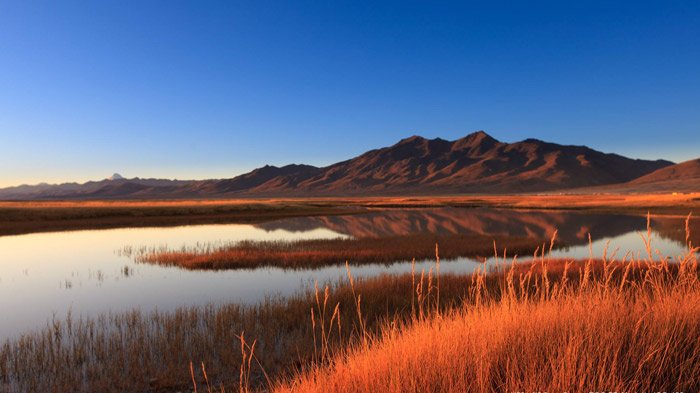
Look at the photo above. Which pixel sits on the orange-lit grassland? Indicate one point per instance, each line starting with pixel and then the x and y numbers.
pixel 545 325
pixel 35 216
pixel 621 330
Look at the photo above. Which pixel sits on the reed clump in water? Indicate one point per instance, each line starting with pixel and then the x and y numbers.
pixel 319 252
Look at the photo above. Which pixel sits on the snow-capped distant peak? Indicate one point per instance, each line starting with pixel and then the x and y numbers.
pixel 115 176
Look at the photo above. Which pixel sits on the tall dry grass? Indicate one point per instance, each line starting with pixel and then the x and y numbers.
pixel 630 325
pixel 610 323
pixel 151 351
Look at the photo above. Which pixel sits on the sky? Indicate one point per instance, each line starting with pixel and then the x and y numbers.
pixel 212 89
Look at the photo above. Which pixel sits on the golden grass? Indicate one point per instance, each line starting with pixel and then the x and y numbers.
pixel 679 203
pixel 151 351
pixel 319 252
pixel 642 200
pixel 625 326
pixel 544 325
pixel 586 342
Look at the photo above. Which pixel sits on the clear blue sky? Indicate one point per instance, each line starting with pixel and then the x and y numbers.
pixel 211 89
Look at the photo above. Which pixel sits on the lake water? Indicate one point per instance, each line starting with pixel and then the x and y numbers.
pixel 47 274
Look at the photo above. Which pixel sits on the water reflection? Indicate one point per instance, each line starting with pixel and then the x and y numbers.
pixel 573 226
pixel 47 274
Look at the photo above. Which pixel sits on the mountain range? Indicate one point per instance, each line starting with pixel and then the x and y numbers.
pixel 474 164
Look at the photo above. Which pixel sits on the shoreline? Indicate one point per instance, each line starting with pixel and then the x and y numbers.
pixel 23 217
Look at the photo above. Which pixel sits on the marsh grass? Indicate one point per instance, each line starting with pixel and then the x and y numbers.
pixel 28 217
pixel 152 351
pixel 320 252
pixel 609 323
pixel 17 217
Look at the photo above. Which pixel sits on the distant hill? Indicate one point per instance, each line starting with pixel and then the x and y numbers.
pixel 116 176
pixel 683 177
pixel 477 163
pixel 685 171
pixel 265 178
pixel 113 187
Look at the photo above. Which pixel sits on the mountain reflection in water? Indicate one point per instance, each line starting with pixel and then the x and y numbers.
pixel 573 226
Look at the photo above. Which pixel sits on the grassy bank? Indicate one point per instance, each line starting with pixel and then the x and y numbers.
pixel 626 325
pixel 29 217
pixel 607 326
pixel 320 252
pixel 137 351
pixel 642 339
pixel 37 216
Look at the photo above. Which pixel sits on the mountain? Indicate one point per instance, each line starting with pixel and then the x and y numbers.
pixel 683 177
pixel 685 171
pixel 116 176
pixel 114 187
pixel 477 163
pixel 267 177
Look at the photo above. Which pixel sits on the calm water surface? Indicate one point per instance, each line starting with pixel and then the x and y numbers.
pixel 47 274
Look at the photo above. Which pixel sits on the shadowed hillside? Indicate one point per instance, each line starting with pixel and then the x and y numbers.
pixel 475 164
pixel 683 177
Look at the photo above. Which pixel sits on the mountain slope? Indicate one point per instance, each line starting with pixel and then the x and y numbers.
pixel 685 171
pixel 288 176
pixel 683 177
pixel 477 163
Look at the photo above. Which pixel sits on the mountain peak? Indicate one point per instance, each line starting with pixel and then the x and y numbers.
pixel 479 140
pixel 411 139
pixel 269 171
pixel 476 163
pixel 479 137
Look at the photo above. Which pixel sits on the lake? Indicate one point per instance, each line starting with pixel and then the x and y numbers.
pixel 46 275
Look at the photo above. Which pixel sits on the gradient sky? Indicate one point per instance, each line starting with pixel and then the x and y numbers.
pixel 212 89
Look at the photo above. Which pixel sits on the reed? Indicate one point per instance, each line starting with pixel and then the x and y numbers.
pixel 151 351
pixel 609 324
pixel 319 252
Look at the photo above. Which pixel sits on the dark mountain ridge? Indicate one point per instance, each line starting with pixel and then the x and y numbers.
pixel 476 163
